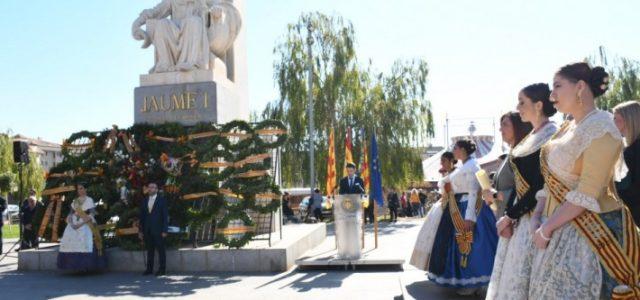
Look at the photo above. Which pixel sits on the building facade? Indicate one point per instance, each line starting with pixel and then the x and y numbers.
pixel 49 154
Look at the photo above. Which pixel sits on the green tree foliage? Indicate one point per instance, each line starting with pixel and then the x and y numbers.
pixel 624 75
pixel 347 95
pixel 33 176
pixel 6 164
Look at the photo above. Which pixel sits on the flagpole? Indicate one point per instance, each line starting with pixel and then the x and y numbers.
pixel 363 227
pixel 375 223
pixel 312 179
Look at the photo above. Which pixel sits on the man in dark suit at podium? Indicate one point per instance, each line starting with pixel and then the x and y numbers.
pixel 154 219
pixel 351 184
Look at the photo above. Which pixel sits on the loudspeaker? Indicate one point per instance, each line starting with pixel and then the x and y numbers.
pixel 20 152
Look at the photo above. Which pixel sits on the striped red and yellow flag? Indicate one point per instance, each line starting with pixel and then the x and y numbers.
pixel 348 157
pixel 364 166
pixel 331 165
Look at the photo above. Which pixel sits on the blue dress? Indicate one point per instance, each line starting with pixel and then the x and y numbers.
pixel 445 267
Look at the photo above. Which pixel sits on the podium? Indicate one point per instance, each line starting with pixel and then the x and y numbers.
pixel 347 214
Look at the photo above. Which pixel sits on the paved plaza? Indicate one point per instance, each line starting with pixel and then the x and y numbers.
pixel 335 283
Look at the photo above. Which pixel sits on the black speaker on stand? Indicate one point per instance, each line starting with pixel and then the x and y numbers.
pixel 20 157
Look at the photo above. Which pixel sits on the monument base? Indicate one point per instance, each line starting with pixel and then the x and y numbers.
pixel 254 257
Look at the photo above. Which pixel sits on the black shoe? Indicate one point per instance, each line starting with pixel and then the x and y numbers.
pixel 147 272
pixel 161 273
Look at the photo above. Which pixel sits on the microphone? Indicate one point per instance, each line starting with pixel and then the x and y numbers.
pixel 361 188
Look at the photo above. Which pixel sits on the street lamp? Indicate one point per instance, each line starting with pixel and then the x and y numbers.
pixel 312 179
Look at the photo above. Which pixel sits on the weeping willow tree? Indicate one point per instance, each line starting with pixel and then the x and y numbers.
pixel 347 95
pixel 625 78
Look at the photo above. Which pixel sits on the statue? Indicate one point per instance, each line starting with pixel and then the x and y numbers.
pixel 188 34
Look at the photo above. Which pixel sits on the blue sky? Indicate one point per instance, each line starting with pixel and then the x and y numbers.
pixel 72 65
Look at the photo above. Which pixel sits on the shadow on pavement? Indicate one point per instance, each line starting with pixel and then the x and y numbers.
pixel 51 284
pixel 429 290
pixel 317 280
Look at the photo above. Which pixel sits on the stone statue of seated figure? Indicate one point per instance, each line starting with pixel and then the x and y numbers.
pixel 188 34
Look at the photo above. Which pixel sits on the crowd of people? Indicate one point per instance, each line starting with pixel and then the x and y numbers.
pixel 559 221
pixel 410 203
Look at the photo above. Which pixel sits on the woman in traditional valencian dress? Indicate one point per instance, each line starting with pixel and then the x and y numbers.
pixel 424 243
pixel 512 267
pixel 466 240
pixel 81 246
pixel 588 243
pixel 513 130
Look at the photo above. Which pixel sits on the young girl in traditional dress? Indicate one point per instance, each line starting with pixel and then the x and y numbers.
pixel 465 242
pixel 424 243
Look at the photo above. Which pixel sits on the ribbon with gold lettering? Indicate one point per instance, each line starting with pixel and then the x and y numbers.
pixel 235 230
pixel 56 221
pixel 112 140
pixel 127 231
pixel 129 142
pixel 270 131
pixel 80 171
pixel 226 192
pixel 207 134
pixel 252 174
pixel 58 190
pixel 257 158
pixel 48 214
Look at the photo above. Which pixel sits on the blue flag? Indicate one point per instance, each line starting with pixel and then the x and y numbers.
pixel 376 177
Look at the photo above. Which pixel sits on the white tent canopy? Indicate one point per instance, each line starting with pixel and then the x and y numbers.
pixel 487 152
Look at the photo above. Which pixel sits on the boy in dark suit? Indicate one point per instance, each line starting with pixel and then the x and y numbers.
pixel 154 222
pixel 351 184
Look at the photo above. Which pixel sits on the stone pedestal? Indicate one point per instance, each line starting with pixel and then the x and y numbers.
pixel 188 97
pixel 187 103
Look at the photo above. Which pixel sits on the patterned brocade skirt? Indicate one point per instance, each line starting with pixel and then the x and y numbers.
pixel 445 269
pixel 512 267
pixel 569 269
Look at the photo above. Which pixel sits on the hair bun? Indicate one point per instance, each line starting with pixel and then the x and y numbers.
pixel 468 145
pixel 599 81
pixel 473 147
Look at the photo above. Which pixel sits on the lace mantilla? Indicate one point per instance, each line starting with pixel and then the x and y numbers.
pixel 534 141
pixel 566 148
